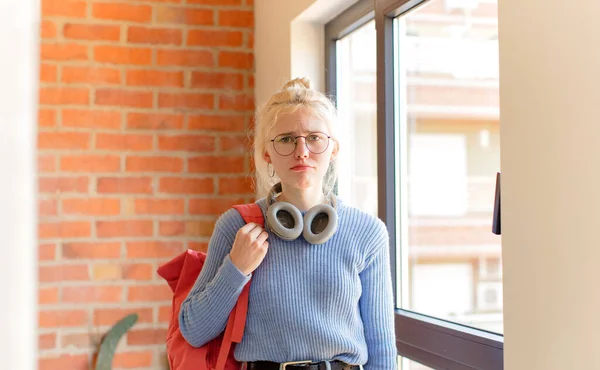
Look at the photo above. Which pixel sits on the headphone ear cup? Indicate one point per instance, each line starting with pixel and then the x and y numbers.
pixel 320 223
pixel 284 220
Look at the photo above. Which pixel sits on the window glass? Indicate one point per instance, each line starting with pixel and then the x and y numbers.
pixel 448 149
pixel 357 106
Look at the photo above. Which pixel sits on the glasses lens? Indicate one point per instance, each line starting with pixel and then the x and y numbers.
pixel 317 142
pixel 284 144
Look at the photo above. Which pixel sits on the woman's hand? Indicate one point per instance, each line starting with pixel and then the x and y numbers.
pixel 249 248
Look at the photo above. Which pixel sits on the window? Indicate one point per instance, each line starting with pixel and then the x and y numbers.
pixel 416 85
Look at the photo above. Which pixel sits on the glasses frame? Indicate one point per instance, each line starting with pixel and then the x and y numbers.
pixel 305 142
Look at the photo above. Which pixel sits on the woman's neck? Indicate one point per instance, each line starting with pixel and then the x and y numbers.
pixel 303 199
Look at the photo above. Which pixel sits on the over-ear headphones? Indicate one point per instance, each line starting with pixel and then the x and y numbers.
pixel 285 220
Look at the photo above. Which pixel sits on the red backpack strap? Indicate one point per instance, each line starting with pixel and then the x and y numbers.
pixel 237 318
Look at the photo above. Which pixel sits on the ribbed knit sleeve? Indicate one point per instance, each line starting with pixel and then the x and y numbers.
pixel 377 304
pixel 205 311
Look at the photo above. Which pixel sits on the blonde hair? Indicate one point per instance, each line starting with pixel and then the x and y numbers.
pixel 296 94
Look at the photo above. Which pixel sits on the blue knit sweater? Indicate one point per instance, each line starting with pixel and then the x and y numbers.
pixel 307 302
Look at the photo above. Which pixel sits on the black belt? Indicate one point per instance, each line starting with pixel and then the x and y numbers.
pixel 266 365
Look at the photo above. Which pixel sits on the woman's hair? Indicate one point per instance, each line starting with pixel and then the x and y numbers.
pixel 296 94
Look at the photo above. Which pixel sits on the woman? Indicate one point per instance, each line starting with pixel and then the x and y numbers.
pixel 320 293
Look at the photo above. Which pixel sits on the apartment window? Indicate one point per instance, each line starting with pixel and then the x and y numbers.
pixel 416 84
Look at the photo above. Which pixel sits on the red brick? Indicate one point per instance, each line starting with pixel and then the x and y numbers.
pixel 133 360
pixel 91 294
pixel 186 228
pixel 141 337
pixel 63 140
pixel 65 229
pixel 108 316
pixel 227 123
pixel 46 117
pixel 154 78
pixel 212 206
pixel 165 314
pixel 211 164
pixel 64 95
pixel 107 250
pixel 153 249
pixel 236 18
pixel 63 362
pixel 62 8
pixel 250 42
pixel 122 55
pixel 47 252
pixel 236 59
pixel 90 75
pixel 67 52
pixel 160 36
pixel 79 340
pixel 62 318
pixel 194 17
pixel 48 72
pixel 47 207
pixel 154 164
pixel 63 273
pixel 160 206
pixel 124 142
pixel 48 295
pixel 176 185
pixel 122 12
pixel 125 185
pixel 63 184
pixel 114 229
pixel 198 246
pixel 235 144
pixel 47 341
pixel 238 102
pixel 149 293
pixel 235 185
pixel 138 271
pixel 91 163
pixel 186 100
pixel 215 38
pixel 92 119
pixel 46 163
pixel 47 29
pixel 120 98
pixel 215 2
pixel 188 143
pixel 186 58
pixel 216 80
pixel 91 206
pixel 96 32
pixel 154 121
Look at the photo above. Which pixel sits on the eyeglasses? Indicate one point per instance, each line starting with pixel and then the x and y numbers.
pixel 316 143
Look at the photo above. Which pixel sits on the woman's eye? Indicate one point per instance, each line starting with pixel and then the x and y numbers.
pixel 314 137
pixel 286 139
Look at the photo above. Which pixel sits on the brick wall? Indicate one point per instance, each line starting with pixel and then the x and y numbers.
pixel 144 108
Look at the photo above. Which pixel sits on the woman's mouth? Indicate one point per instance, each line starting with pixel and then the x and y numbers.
pixel 300 168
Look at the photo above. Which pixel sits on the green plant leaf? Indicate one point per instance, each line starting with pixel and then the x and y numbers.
pixel 106 352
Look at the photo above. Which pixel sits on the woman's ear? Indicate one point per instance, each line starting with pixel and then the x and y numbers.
pixel 267 157
pixel 334 152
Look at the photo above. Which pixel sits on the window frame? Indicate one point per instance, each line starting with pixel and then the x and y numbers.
pixel 433 342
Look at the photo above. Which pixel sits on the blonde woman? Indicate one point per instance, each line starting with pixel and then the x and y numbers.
pixel 321 293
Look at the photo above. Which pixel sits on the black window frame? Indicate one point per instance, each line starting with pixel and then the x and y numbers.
pixel 433 342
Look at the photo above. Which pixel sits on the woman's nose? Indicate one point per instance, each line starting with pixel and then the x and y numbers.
pixel 301 150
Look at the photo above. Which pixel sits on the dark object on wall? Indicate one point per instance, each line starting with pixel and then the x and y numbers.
pixel 496 229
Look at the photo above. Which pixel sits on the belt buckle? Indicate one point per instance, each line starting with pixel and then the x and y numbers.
pixel 284 365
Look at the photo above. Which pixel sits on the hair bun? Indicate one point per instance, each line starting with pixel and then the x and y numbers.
pixel 301 82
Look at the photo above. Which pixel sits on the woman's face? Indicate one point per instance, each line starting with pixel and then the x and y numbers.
pixel 304 164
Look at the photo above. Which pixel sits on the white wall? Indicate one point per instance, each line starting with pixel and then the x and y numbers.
pixel 550 147
pixel 289 42
pixel 19 30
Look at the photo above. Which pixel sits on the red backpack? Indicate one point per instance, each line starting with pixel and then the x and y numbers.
pixel 181 273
